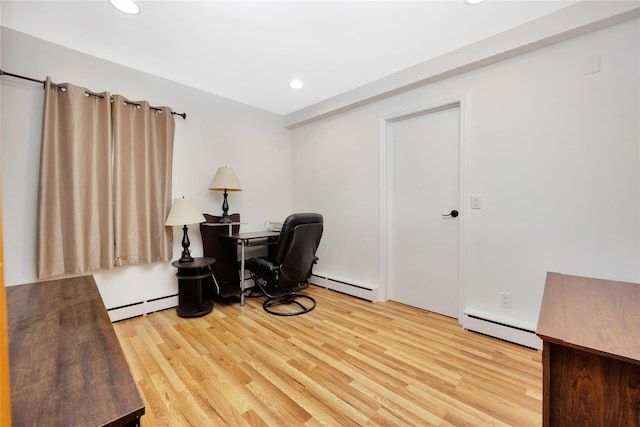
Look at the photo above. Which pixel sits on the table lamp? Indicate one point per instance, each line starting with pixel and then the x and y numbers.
pixel 225 180
pixel 184 211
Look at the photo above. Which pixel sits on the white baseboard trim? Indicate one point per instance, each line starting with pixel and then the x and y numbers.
pixel 504 329
pixel 142 308
pixel 359 290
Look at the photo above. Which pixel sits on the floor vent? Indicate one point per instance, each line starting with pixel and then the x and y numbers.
pixel 142 308
pixel 370 293
pixel 503 329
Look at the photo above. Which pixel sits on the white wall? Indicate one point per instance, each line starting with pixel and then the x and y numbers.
pixel 553 152
pixel 217 132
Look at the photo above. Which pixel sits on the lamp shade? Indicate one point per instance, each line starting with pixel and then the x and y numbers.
pixel 184 211
pixel 225 179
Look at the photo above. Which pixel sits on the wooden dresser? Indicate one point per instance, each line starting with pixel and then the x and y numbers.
pixel 591 352
pixel 66 365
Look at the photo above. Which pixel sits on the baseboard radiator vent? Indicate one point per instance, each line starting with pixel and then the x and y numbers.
pixel 367 292
pixel 504 329
pixel 142 308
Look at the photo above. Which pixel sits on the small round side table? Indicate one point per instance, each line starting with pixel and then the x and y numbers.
pixel 190 275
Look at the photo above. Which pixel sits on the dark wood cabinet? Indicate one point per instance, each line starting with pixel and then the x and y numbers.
pixel 591 352
pixel 226 271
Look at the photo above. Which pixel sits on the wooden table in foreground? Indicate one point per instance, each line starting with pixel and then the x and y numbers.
pixel 66 364
pixel 591 352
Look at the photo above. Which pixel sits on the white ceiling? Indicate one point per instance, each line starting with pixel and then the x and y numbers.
pixel 248 51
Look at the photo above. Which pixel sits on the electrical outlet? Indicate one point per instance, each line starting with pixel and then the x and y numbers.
pixel 592 64
pixel 505 299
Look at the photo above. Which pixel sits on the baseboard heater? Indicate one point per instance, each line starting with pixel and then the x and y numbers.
pixel 142 308
pixel 363 291
pixel 504 329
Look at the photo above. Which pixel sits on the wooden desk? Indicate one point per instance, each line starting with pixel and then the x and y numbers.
pixel 591 352
pixel 67 366
pixel 252 238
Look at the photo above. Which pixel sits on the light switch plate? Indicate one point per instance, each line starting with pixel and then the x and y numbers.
pixel 476 201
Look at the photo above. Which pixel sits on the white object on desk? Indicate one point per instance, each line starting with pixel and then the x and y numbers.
pixel 272 225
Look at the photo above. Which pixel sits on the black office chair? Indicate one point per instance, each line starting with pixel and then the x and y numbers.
pixel 285 273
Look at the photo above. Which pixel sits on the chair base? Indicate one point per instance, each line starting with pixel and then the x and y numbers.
pixel 288 300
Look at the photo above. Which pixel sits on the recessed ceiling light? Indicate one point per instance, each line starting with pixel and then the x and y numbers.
pixel 126 6
pixel 296 84
pixel 473 2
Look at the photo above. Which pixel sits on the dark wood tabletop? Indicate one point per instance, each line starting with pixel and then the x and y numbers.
pixel 596 315
pixel 66 364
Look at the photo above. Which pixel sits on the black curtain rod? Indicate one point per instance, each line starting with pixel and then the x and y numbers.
pixel 43 82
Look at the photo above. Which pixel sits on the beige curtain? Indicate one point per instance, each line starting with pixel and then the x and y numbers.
pixel 75 220
pixel 143 156
pixel 105 182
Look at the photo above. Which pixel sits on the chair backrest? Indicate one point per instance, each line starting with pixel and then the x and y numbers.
pixel 295 251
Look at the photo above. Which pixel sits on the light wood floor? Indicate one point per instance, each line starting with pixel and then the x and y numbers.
pixel 349 362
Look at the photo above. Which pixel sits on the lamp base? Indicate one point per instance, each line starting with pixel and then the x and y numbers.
pixel 225 209
pixel 186 258
pixel 186 253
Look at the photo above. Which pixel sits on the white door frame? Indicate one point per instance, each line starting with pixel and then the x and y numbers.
pixel 385 193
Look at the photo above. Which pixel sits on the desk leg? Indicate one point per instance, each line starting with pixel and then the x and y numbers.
pixel 242 272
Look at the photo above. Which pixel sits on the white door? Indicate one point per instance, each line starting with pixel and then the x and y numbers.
pixel 425 186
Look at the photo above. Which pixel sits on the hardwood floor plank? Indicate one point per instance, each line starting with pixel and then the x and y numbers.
pixel 156 412
pixel 347 363
pixel 294 383
pixel 229 406
pixel 455 411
